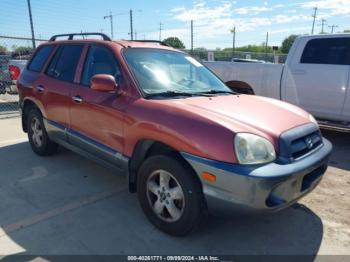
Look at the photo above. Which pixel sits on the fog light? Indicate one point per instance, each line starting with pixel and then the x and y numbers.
pixel 208 177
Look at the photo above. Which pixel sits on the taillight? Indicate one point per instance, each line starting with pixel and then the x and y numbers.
pixel 14 72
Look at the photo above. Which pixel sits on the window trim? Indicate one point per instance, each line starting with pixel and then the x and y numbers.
pixel 58 48
pixel 86 56
pixel 35 54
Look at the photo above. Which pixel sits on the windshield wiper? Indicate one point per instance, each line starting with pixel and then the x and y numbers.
pixel 169 94
pixel 213 92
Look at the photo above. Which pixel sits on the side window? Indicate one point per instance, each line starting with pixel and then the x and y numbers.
pixel 100 60
pixel 40 58
pixel 64 62
pixel 331 51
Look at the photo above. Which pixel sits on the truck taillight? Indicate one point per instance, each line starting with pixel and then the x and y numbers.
pixel 14 72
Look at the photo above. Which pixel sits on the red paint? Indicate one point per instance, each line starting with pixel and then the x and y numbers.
pixel 203 126
pixel 14 72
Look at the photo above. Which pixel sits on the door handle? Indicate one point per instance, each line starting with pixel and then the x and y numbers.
pixel 77 99
pixel 40 88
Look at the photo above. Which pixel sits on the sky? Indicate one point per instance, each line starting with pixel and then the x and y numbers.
pixel 212 19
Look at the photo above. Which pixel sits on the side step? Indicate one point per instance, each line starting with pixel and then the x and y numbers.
pixel 333 125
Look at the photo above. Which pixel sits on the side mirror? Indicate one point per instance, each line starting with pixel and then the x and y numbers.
pixel 103 83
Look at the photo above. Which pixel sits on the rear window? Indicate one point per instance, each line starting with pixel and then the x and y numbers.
pixel 64 62
pixel 40 58
pixel 330 51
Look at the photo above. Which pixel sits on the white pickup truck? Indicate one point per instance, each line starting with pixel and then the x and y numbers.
pixel 316 77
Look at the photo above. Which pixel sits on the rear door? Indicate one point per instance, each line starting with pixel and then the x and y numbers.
pixel 96 118
pixel 56 86
pixel 317 79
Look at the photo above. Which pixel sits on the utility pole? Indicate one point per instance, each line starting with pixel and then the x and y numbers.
pixel 266 44
pixel 160 31
pixel 332 26
pixel 31 23
pixel 233 31
pixel 191 36
pixel 110 16
pixel 323 23
pixel 135 35
pixel 131 30
pixel 313 22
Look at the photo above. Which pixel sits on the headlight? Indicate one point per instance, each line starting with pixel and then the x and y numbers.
pixel 252 149
pixel 312 119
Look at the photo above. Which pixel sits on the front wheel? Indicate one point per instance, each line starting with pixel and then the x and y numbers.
pixel 171 195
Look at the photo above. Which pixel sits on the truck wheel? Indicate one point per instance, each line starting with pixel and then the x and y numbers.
pixel 170 195
pixel 37 135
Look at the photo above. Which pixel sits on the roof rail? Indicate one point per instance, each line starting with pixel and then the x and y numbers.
pixel 71 36
pixel 149 41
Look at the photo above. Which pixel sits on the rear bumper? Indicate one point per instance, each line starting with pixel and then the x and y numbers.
pixel 269 187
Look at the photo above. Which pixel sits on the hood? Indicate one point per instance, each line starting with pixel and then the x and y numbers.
pixel 246 113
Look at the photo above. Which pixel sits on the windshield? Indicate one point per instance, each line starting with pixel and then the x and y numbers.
pixel 161 71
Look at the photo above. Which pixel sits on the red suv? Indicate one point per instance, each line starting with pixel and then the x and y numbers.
pixel 186 143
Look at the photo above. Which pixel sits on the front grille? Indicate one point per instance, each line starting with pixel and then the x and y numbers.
pixel 298 142
pixel 305 144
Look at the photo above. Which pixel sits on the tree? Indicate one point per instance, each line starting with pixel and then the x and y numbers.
pixel 22 51
pixel 3 50
pixel 174 42
pixel 347 31
pixel 287 43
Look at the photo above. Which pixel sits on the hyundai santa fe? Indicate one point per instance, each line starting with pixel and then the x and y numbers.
pixel 186 143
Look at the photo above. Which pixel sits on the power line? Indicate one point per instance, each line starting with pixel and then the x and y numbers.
pixel 313 22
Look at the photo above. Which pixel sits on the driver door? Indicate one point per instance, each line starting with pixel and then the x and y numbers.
pixel 96 117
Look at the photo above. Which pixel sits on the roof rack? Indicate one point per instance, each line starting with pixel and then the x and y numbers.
pixel 71 36
pixel 149 41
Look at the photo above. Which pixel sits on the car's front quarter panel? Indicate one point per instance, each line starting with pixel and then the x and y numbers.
pixel 183 131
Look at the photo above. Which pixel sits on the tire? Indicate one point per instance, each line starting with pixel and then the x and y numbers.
pixel 39 141
pixel 190 207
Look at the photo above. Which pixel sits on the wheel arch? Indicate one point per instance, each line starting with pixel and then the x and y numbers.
pixel 28 104
pixel 143 150
pixel 240 87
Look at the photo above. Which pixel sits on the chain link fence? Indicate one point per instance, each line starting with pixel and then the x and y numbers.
pixel 221 55
pixel 14 54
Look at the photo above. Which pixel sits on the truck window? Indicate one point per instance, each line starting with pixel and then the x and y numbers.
pixel 40 58
pixel 100 60
pixel 64 63
pixel 331 51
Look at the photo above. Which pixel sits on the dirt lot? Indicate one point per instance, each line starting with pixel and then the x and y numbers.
pixel 66 204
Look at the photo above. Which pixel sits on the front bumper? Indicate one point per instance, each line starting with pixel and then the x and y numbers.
pixel 269 187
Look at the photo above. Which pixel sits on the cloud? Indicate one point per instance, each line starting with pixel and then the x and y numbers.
pixel 213 20
pixel 333 7
pixel 283 19
pixel 252 10
pixel 202 12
